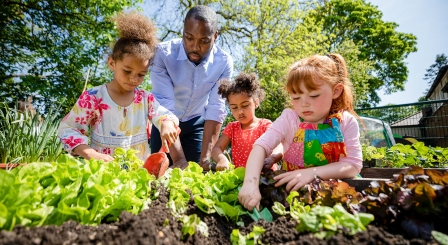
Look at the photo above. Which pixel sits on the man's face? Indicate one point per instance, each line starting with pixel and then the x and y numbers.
pixel 198 39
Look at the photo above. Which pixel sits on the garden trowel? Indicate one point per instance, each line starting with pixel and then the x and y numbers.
pixel 157 163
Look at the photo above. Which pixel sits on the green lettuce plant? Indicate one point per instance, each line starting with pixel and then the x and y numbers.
pixel 50 193
pixel 400 156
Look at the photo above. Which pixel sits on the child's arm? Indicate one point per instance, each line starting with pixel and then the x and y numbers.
pixel 168 134
pixel 87 153
pixel 167 123
pixel 74 127
pixel 249 195
pixel 298 178
pixel 218 153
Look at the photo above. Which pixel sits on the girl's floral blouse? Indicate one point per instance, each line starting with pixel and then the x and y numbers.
pixel 96 118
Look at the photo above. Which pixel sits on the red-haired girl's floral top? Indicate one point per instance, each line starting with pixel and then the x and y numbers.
pixel 108 126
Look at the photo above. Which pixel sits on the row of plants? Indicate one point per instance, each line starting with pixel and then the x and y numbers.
pixel 93 192
pixel 90 192
pixel 415 199
pixel 26 136
pixel 400 156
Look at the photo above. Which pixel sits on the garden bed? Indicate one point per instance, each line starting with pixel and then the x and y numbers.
pixel 370 174
pixel 156 225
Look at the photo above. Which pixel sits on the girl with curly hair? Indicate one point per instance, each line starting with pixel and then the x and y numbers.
pixel 115 114
pixel 320 134
pixel 243 96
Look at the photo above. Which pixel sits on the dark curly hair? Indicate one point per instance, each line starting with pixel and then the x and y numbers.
pixel 244 83
pixel 137 36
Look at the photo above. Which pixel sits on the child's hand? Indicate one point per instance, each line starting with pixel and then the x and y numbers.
pixel 295 179
pixel 104 157
pixel 168 134
pixel 222 165
pixel 249 196
pixel 88 153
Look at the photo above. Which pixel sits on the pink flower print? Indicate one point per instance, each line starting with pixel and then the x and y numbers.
pixel 106 151
pixel 81 120
pixel 150 98
pixel 90 114
pixel 100 106
pixel 71 141
pixel 138 96
pixel 83 131
pixel 150 112
pixel 86 100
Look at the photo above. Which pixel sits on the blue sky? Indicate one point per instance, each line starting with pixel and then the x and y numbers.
pixel 428 21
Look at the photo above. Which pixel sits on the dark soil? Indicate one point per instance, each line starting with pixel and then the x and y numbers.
pixel 157 226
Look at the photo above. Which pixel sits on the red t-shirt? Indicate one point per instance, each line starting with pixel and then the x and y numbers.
pixel 242 140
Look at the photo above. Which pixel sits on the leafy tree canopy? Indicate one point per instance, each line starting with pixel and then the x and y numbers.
pixel 267 36
pixel 378 42
pixel 47 47
pixel 433 70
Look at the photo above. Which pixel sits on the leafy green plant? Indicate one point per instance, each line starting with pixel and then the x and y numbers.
pixel 26 138
pixel 321 220
pixel 440 237
pixel 399 155
pixel 212 193
pixel 191 223
pixel 414 198
pixel 250 239
pixel 47 193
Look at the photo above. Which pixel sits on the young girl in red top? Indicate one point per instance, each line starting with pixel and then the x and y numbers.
pixel 243 96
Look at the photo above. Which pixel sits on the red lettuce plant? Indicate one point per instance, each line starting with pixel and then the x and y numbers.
pixel 414 198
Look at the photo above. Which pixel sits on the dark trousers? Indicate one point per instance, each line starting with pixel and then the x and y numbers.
pixel 190 138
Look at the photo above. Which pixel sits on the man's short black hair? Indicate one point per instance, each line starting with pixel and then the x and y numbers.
pixel 205 14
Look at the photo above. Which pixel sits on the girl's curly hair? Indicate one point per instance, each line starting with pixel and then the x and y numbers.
pixel 244 83
pixel 137 36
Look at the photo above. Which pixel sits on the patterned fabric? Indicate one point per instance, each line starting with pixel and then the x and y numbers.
pixel 243 140
pixel 316 144
pixel 97 118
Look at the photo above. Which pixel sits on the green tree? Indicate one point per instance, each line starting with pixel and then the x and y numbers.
pixel 263 36
pixel 48 46
pixel 376 40
pixel 433 70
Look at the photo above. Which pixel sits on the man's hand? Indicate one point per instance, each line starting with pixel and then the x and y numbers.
pixel 209 138
pixel 205 165
pixel 181 163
